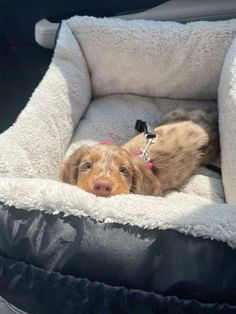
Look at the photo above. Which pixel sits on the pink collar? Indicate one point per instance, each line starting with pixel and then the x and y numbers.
pixel 149 163
pixel 106 142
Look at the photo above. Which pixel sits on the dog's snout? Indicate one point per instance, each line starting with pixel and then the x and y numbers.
pixel 102 187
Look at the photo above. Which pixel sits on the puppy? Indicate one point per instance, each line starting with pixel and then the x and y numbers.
pixel 186 140
pixel 107 170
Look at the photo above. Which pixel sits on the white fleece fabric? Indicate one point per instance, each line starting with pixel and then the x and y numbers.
pixel 169 59
pixel 227 123
pixel 105 74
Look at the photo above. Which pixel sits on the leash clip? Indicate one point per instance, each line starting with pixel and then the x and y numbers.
pixel 150 136
pixel 142 126
pixel 144 152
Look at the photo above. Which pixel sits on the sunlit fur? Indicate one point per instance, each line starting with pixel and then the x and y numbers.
pixel 126 173
pixel 186 140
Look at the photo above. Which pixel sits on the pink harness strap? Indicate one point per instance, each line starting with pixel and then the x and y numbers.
pixel 106 142
pixel 149 163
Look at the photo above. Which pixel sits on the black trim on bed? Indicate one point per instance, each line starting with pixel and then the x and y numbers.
pixel 214 168
pixel 37 291
pixel 163 261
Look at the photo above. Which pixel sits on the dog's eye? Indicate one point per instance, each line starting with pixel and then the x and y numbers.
pixel 88 165
pixel 124 170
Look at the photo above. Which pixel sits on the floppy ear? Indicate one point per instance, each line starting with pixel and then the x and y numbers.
pixel 144 181
pixel 69 170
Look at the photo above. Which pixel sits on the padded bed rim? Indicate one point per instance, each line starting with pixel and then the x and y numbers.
pixel 164 261
pixel 38 291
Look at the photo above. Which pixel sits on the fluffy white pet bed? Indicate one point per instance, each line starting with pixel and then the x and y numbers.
pixel 105 74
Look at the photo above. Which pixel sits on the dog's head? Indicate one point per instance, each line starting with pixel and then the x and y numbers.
pixel 107 170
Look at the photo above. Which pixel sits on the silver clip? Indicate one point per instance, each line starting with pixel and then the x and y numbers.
pixel 144 152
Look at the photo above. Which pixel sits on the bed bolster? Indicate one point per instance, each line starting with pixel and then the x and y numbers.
pixel 164 261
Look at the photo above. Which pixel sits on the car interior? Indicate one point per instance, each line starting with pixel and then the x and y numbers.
pixel 56 257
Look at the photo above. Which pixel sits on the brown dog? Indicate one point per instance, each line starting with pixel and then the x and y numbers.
pixel 107 170
pixel 186 140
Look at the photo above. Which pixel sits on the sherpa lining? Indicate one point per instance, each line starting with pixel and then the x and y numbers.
pixel 109 56
pixel 187 214
pixel 227 123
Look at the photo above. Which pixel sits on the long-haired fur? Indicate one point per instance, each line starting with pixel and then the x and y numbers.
pixel 186 140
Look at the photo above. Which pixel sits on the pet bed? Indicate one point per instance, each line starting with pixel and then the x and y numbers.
pixel 64 250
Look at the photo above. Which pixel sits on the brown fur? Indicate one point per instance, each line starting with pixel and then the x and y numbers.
pixel 186 140
pixel 110 164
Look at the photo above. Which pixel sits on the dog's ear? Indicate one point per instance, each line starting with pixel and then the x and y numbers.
pixel 144 182
pixel 69 171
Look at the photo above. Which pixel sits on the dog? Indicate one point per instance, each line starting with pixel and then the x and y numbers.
pixel 186 140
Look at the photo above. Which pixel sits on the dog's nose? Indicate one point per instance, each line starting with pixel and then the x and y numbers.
pixel 102 187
